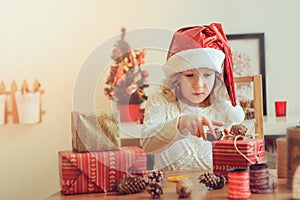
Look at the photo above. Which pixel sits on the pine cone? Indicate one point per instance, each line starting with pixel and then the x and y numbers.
pixel 238 129
pixel 131 185
pixel 156 177
pixel 155 190
pixel 184 187
pixel 212 181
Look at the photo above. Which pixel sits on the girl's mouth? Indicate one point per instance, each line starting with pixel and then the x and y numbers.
pixel 197 93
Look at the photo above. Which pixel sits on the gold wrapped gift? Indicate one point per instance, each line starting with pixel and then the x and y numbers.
pixel 94 131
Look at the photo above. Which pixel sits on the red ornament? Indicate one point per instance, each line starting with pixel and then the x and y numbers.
pixel 141 57
pixel 145 73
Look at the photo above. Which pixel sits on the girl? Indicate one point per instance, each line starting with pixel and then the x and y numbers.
pixel 193 99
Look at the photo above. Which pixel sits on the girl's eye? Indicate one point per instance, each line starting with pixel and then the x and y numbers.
pixel 206 75
pixel 189 75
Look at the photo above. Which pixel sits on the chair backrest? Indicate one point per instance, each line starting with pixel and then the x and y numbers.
pixel 258 105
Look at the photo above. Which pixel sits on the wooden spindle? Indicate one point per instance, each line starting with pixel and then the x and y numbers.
pixel 14 112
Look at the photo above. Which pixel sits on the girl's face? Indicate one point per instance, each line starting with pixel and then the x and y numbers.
pixel 196 84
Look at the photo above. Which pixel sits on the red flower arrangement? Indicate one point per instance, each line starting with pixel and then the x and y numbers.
pixel 126 80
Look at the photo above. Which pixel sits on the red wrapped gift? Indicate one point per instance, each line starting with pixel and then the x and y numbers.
pixel 91 172
pixel 227 155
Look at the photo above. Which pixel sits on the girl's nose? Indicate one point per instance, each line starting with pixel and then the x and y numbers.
pixel 199 83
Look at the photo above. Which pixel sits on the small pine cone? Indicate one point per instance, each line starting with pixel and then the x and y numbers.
pixel 222 181
pixel 156 177
pixel 238 129
pixel 131 185
pixel 155 190
pixel 212 181
pixel 184 187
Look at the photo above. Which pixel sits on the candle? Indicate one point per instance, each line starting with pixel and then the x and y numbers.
pixel 260 179
pixel 281 144
pixel 280 108
pixel 238 184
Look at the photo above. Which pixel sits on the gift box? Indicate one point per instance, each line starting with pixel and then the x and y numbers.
pixel 91 172
pixel 94 131
pixel 229 154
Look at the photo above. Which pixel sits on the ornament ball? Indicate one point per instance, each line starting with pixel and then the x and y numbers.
pixel 145 73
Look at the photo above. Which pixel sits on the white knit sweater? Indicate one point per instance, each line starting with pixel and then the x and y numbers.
pixel 172 150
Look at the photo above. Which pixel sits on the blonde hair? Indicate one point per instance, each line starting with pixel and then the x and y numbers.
pixel 171 90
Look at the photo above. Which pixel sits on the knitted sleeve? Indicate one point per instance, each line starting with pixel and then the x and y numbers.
pixel 188 153
pixel 173 150
pixel 160 123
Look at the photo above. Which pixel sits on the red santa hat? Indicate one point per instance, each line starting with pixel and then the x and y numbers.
pixel 202 46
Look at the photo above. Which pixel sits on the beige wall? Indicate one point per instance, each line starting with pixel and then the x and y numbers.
pixel 49 40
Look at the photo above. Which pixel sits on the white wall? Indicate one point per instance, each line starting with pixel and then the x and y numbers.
pixel 50 40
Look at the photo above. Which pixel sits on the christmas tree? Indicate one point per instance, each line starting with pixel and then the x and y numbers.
pixel 126 81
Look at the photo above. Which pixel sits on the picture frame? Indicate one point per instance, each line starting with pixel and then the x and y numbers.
pixel 248 57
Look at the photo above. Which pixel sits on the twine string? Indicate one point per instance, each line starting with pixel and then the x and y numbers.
pixel 237 149
pixel 249 136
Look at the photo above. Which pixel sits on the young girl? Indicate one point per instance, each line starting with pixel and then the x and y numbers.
pixel 193 100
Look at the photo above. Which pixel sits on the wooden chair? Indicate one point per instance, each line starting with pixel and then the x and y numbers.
pixel 258 105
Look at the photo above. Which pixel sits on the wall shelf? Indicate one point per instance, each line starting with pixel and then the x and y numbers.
pixel 24 97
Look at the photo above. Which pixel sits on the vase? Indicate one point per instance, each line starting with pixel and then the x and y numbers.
pixel 129 112
pixel 28 107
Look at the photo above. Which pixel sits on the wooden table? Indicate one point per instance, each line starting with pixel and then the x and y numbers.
pixel 199 192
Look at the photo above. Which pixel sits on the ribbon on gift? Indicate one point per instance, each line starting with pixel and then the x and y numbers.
pixel 236 137
pixel 241 153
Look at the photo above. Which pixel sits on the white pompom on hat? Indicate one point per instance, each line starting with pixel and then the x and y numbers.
pixel 202 47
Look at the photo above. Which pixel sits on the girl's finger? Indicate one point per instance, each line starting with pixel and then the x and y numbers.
pixel 202 132
pixel 217 123
pixel 209 124
pixel 194 130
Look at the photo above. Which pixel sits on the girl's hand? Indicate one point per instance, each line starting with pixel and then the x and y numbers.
pixel 195 125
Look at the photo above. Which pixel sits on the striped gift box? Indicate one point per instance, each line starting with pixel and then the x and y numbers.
pixel 92 172
pixel 226 156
